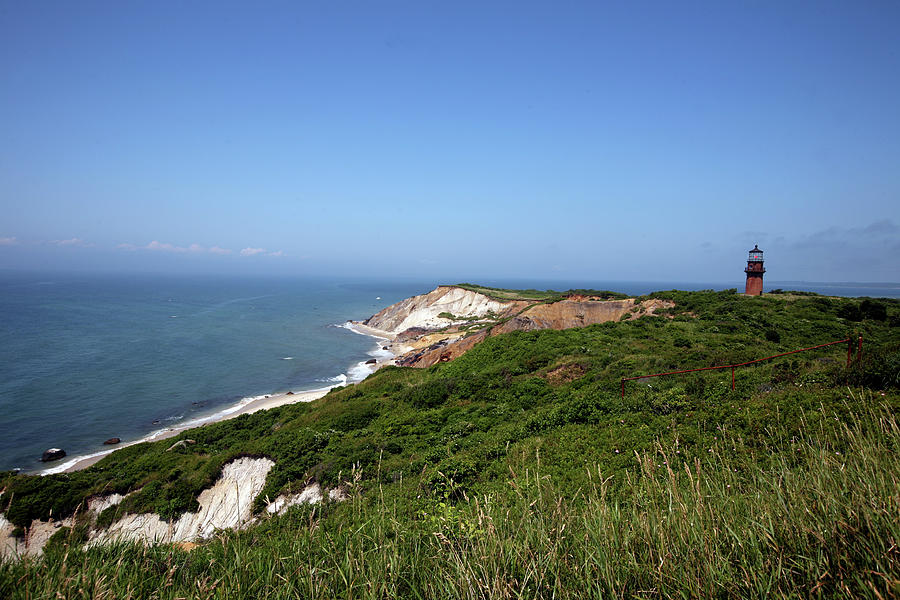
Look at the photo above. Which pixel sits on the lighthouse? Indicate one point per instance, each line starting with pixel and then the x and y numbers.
pixel 754 272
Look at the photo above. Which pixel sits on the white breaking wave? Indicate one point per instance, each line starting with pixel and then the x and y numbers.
pixel 153 436
pixel 359 371
pixel 355 374
pixel 71 462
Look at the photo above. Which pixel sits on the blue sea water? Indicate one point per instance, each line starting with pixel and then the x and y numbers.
pixel 87 357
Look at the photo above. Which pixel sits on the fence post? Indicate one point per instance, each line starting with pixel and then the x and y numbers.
pixel 859 351
pixel 732 379
pixel 849 349
pixel 623 387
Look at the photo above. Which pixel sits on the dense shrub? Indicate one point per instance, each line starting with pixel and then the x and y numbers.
pixel 850 311
pixel 872 309
pixel 430 394
pixel 879 369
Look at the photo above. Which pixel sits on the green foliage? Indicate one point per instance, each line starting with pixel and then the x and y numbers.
pixel 68 536
pixel 451 428
pixel 29 497
pixel 850 311
pixel 108 516
pixel 452 317
pixel 505 295
pixel 429 394
pixel 879 369
pixel 807 508
pixel 872 309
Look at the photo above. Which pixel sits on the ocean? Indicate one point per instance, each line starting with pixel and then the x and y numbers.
pixel 86 357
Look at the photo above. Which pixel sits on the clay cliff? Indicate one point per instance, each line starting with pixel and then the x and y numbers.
pixel 424 311
pixel 225 505
pixel 448 321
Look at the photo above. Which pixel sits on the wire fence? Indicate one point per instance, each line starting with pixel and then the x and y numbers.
pixel 848 341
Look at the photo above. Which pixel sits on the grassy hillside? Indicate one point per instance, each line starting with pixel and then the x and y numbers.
pixel 506 295
pixel 518 471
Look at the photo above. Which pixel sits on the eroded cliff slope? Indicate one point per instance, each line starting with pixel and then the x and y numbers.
pixel 448 321
pixel 424 311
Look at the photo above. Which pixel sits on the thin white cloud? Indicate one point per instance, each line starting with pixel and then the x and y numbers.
pixel 74 242
pixel 164 247
pixel 157 246
pixel 193 248
pixel 8 241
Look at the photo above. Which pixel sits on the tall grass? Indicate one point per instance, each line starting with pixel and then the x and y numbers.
pixel 815 516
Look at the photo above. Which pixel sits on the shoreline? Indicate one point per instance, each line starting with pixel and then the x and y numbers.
pixel 254 404
pixel 355 373
pixel 390 346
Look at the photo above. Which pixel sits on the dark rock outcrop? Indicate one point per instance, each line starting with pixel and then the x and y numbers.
pixel 52 454
pixel 111 441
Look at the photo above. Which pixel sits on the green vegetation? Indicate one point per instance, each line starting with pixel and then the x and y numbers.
pixel 506 295
pixel 490 316
pixel 817 521
pixel 517 470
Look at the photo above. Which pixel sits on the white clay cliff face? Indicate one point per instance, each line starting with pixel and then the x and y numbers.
pixel 226 505
pixel 422 311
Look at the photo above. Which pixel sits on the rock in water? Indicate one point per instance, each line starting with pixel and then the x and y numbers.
pixel 52 454
pixel 371 361
pixel 112 441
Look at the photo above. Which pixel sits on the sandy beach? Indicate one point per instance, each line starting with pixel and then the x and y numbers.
pixel 393 348
pixel 255 404
pixel 382 357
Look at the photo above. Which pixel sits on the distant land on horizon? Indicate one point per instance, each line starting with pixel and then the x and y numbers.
pixel 628 286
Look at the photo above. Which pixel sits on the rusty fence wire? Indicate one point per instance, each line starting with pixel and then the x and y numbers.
pixel 848 341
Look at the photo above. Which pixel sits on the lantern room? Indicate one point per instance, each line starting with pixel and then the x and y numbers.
pixel 755 254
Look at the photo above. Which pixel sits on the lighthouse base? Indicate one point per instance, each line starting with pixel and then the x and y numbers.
pixel 754 286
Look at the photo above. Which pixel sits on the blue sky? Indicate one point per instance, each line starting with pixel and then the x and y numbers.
pixel 595 140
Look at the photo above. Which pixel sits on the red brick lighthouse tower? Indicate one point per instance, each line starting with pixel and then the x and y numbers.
pixel 754 272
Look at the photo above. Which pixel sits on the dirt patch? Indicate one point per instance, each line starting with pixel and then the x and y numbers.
pixel 564 374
